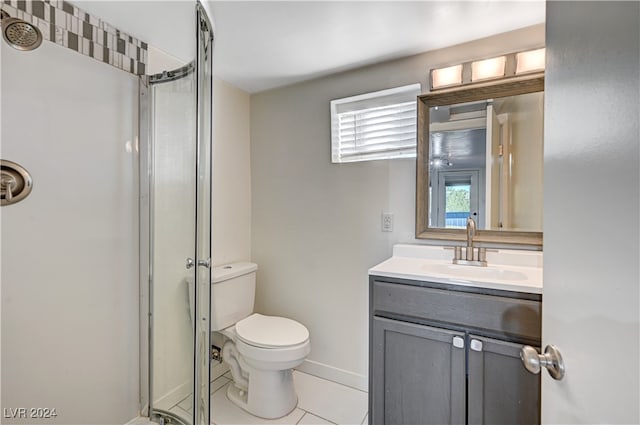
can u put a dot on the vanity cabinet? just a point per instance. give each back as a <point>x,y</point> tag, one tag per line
<point>501,391</point>
<point>450,354</point>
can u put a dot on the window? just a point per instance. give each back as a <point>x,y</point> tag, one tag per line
<point>456,196</point>
<point>378,125</point>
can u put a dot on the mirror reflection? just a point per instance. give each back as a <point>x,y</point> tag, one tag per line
<point>480,155</point>
<point>485,161</point>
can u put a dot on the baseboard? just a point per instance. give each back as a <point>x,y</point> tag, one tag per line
<point>330,373</point>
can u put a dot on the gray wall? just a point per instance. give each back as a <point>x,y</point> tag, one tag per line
<point>316,225</point>
<point>591,217</point>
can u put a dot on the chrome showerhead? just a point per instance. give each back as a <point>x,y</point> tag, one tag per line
<point>20,34</point>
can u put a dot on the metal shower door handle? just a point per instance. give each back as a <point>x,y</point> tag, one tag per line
<point>202,263</point>
<point>551,360</point>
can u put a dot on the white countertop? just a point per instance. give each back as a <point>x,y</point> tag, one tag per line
<point>507,270</point>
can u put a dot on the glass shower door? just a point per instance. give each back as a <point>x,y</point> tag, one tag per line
<point>176,113</point>
<point>204,116</point>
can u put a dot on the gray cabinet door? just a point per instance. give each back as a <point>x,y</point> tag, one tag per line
<point>501,391</point>
<point>418,375</point>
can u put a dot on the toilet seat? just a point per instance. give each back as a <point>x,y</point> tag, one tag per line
<point>271,331</point>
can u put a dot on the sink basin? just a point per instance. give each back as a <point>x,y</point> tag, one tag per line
<point>508,270</point>
<point>474,273</point>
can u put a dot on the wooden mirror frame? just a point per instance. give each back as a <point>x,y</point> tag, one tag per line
<point>469,93</point>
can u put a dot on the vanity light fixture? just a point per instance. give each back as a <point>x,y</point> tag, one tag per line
<point>488,68</point>
<point>505,66</point>
<point>449,76</point>
<point>532,60</point>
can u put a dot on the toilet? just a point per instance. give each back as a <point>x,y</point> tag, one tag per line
<point>260,350</point>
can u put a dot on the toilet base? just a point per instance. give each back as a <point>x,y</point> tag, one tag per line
<point>271,394</point>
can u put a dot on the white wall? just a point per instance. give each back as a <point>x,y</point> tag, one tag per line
<point>591,306</point>
<point>316,225</point>
<point>231,217</point>
<point>70,250</point>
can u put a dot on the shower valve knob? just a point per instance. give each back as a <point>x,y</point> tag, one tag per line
<point>6,185</point>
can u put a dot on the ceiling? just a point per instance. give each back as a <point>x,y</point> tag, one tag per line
<point>460,148</point>
<point>266,44</point>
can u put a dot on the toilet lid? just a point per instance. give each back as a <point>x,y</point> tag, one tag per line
<point>271,331</point>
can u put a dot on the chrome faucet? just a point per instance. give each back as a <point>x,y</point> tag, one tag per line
<point>471,232</point>
<point>473,256</point>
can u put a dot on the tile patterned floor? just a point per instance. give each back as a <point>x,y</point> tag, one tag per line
<point>320,402</point>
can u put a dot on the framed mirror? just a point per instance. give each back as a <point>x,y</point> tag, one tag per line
<point>480,154</point>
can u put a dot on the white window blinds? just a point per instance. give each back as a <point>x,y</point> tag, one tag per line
<point>378,125</point>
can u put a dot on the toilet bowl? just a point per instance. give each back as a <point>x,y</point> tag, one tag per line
<point>260,350</point>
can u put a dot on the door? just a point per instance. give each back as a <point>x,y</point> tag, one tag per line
<point>501,391</point>
<point>204,116</point>
<point>176,112</point>
<point>418,374</point>
<point>172,243</point>
<point>591,214</point>
<point>459,197</point>
<point>492,167</point>
<point>504,188</point>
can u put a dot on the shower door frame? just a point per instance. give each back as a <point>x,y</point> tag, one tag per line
<point>145,146</point>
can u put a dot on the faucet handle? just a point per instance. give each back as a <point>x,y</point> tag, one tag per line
<point>457,253</point>
<point>482,254</point>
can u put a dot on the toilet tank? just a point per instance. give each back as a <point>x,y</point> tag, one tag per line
<point>233,289</point>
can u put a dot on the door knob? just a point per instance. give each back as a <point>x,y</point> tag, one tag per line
<point>551,359</point>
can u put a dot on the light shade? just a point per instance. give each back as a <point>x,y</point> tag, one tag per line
<point>449,76</point>
<point>488,68</point>
<point>530,61</point>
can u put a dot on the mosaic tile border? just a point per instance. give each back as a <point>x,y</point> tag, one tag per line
<point>67,25</point>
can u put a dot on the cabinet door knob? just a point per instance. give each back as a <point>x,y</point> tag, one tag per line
<point>551,360</point>
<point>476,345</point>
<point>458,342</point>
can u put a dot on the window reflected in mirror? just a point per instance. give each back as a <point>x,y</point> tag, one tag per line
<point>486,162</point>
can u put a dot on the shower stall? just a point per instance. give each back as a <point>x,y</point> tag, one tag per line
<point>175,119</point>
<point>105,221</point>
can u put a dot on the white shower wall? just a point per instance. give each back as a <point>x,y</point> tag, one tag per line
<point>70,250</point>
